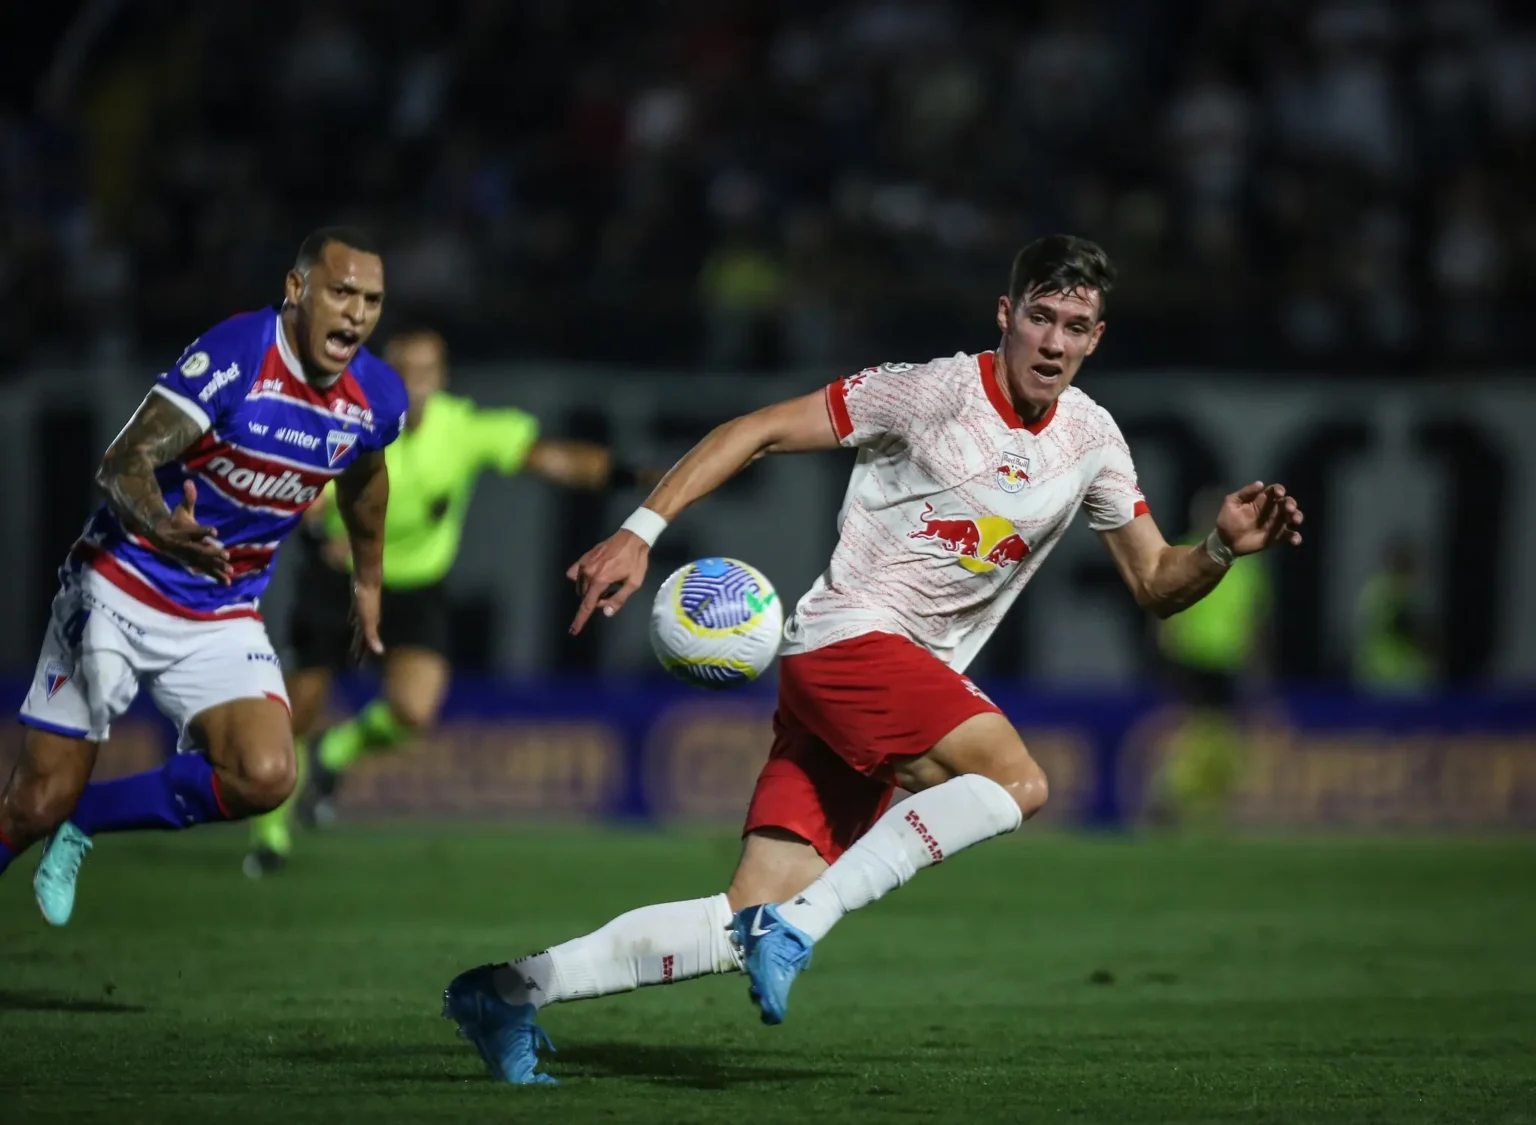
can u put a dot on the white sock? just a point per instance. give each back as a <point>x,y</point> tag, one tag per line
<point>659,944</point>
<point>923,830</point>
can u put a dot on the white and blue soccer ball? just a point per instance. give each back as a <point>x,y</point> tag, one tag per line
<point>716,623</point>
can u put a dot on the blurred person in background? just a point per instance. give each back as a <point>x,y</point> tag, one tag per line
<point>1395,643</point>
<point>446,444</point>
<point>1209,648</point>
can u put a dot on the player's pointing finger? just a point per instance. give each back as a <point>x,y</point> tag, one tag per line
<point>588,603</point>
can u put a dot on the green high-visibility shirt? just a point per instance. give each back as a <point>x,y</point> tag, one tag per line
<point>1220,631</point>
<point>432,474</point>
<point>1390,654</point>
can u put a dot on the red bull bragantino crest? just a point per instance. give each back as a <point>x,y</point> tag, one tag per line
<point>1013,472</point>
<point>979,543</point>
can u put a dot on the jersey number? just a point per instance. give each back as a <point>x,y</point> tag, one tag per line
<point>74,628</point>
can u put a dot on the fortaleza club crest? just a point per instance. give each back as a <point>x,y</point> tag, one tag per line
<point>979,543</point>
<point>1013,472</point>
<point>55,675</point>
<point>337,445</point>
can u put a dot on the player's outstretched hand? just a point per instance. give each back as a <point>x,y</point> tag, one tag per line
<point>607,574</point>
<point>1259,516</point>
<point>183,538</point>
<point>367,599</point>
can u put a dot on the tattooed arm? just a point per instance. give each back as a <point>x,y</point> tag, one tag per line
<point>362,497</point>
<point>157,434</point>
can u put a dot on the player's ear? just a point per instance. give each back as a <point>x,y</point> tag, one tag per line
<point>294,285</point>
<point>1004,313</point>
<point>1093,340</point>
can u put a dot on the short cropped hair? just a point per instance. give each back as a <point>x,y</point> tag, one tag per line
<point>1061,263</point>
<point>316,241</point>
<point>413,332</point>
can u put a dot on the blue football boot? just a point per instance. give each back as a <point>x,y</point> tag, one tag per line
<point>504,1034</point>
<point>774,954</point>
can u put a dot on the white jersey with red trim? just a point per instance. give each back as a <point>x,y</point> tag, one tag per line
<point>954,503</point>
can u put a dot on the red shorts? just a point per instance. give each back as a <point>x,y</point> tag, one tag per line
<point>846,714</point>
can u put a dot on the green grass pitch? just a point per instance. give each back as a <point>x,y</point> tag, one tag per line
<point>1042,978</point>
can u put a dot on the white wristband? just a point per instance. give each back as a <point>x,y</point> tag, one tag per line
<point>1220,553</point>
<point>648,525</point>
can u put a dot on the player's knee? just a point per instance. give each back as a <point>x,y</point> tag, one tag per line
<point>1029,788</point>
<point>267,778</point>
<point>415,715</point>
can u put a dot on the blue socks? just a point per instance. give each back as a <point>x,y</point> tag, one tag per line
<point>179,794</point>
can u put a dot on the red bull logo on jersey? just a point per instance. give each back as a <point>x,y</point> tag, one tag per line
<point>1013,472</point>
<point>980,543</point>
<point>287,486</point>
<point>338,443</point>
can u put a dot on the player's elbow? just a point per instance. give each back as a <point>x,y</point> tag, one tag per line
<point>106,473</point>
<point>1148,598</point>
<point>752,435</point>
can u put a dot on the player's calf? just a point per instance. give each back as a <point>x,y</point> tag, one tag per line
<point>775,863</point>
<point>43,787</point>
<point>977,783</point>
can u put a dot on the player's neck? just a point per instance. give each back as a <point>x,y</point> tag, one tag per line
<point>1028,414</point>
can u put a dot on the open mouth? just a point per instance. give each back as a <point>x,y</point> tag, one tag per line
<point>341,345</point>
<point>1046,372</point>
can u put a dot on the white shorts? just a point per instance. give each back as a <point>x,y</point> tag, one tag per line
<point>103,643</point>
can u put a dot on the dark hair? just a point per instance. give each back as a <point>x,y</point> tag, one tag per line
<point>1061,263</point>
<point>415,330</point>
<point>316,241</point>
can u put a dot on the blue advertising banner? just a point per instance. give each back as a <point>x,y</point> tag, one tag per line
<point>656,750</point>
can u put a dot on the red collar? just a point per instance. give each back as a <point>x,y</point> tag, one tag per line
<point>987,362</point>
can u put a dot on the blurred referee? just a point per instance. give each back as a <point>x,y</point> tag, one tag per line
<point>446,444</point>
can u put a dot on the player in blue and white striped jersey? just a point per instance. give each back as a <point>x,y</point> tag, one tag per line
<point>163,588</point>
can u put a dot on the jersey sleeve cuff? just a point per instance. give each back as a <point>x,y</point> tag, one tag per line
<point>1117,520</point>
<point>186,406</point>
<point>837,410</point>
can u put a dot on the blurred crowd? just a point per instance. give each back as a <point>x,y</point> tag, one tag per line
<point>1336,185</point>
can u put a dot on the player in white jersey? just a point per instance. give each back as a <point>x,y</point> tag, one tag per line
<point>969,470</point>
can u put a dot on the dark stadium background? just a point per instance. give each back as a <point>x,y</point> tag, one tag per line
<point>638,218</point>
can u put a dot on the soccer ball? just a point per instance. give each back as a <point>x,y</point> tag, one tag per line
<point>716,623</point>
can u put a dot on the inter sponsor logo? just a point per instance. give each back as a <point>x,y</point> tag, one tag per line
<point>301,438</point>
<point>287,486</point>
